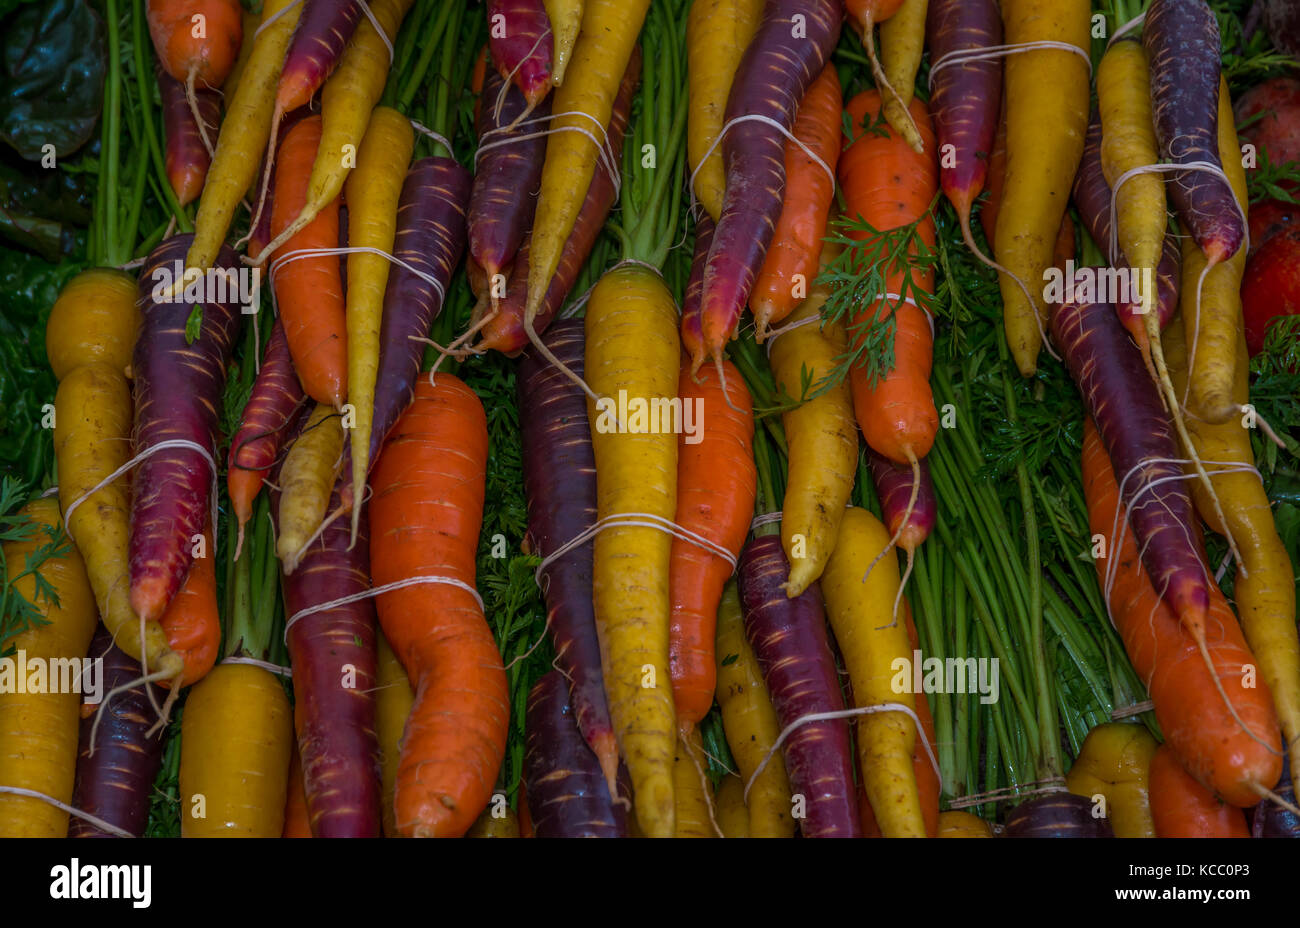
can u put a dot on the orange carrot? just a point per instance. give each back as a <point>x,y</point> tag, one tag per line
<point>1183,808</point>
<point>196,40</point>
<point>716,485</point>
<point>425,517</point>
<point>309,291</point>
<point>790,265</point>
<point>1234,757</point>
<point>191,621</point>
<point>297,824</point>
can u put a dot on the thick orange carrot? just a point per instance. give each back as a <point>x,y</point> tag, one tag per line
<point>196,40</point>
<point>309,291</point>
<point>191,621</point>
<point>425,517</point>
<point>790,264</point>
<point>716,484</point>
<point>1183,808</point>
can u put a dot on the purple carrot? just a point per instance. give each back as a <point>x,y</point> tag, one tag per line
<point>431,239</point>
<point>506,176</point>
<point>523,47</point>
<point>1272,820</point>
<point>334,675</point>
<point>505,331</point>
<point>965,98</point>
<point>793,651</point>
<point>1060,815</point>
<point>783,59</point>
<point>1182,44</point>
<point>692,333</point>
<point>560,485</point>
<point>568,794</point>
<point>188,156</point>
<point>180,366</point>
<point>276,399</point>
<point>1092,198</point>
<point>893,483</point>
<point>115,783</point>
<point>1139,437</point>
<point>317,45</point>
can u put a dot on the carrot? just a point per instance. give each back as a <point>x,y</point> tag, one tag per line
<point>1264,587</point>
<point>729,800</point>
<point>373,192</point>
<point>888,185</point>
<point>791,260</point>
<point>633,350</point>
<point>570,796</point>
<point>692,323</point>
<point>907,520</point>
<point>244,134</point>
<point>296,821</point>
<point>820,436</point>
<point>789,639</point>
<point>1232,749</point>
<point>1183,808</point>
<point>566,18</point>
<point>560,487</point>
<point>115,775</point>
<point>864,15</point>
<point>188,136</point>
<point>600,59</point>
<point>750,724</point>
<point>1056,815</point>
<point>691,790</point>
<point>306,479</point>
<point>236,736</point>
<point>197,40</point>
<point>902,41</point>
<point>251,22</point>
<point>781,63</point>
<point>191,622</point>
<point>963,825</point>
<point>1212,325</point>
<point>309,290</point>
<point>1042,156</point>
<point>1112,763</point>
<point>965,101</point>
<point>179,379</point>
<point>333,656</point>
<point>716,486</point>
<point>1189,96</point>
<point>38,730</point>
<point>275,402</point>
<point>323,29</point>
<point>393,700</point>
<point>523,46</point>
<point>717,34</point>
<point>492,825</point>
<point>864,618</point>
<point>504,332</point>
<point>347,104</point>
<point>425,516</point>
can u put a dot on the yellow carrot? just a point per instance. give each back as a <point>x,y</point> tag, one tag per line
<point>306,481</point>
<point>1113,763</point>
<point>902,40</point>
<point>372,192</point>
<point>393,703</point>
<point>38,730</point>
<point>729,800</point>
<point>566,20</point>
<point>691,791</point>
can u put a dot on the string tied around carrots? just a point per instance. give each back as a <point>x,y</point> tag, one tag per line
<point>95,820</point>
<point>377,591</point>
<point>1032,788</point>
<point>989,52</point>
<point>605,154</point>
<point>254,662</point>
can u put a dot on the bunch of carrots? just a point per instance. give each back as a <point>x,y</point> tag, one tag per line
<point>363,333</point>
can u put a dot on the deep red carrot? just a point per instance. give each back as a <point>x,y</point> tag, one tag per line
<point>277,398</point>
<point>115,782</point>
<point>1182,45</point>
<point>180,373</point>
<point>334,675</point>
<point>1269,819</point>
<point>783,59</point>
<point>505,331</point>
<point>323,29</point>
<point>893,484</point>
<point>569,796</point>
<point>692,324</point>
<point>560,485</point>
<point>793,651</point>
<point>965,97</point>
<point>506,175</point>
<point>1058,815</point>
<point>187,157</point>
<point>523,46</point>
<point>431,238</point>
